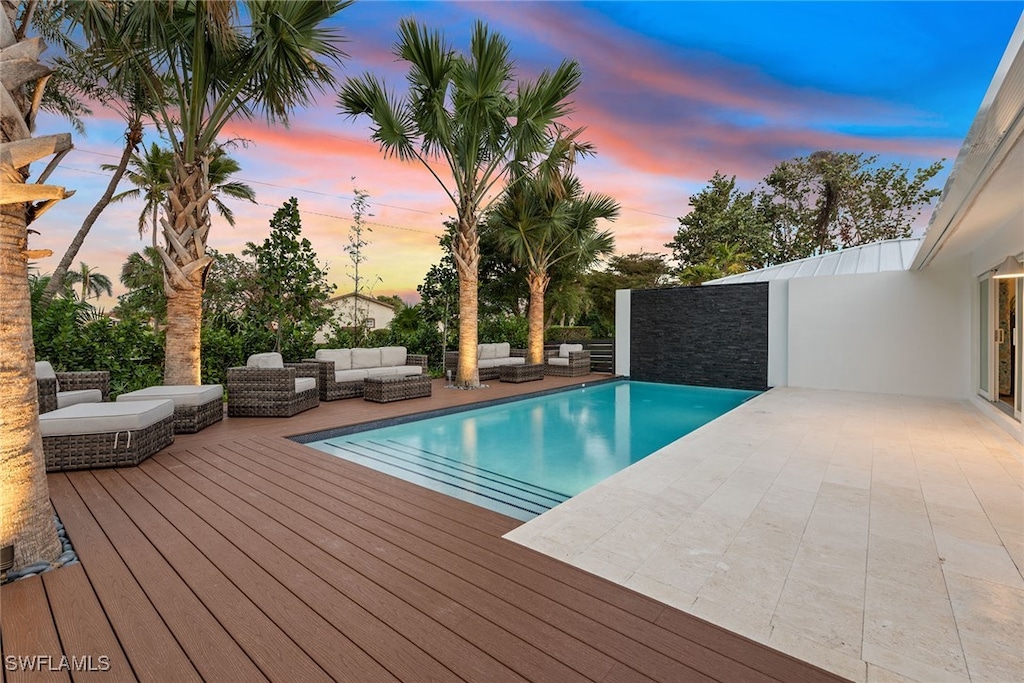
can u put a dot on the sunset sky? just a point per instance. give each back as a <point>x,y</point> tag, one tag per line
<point>672,92</point>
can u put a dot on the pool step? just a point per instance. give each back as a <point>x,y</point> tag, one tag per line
<point>487,488</point>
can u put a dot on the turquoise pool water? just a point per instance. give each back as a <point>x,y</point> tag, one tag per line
<point>523,458</point>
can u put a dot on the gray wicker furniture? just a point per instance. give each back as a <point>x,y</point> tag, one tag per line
<point>89,435</point>
<point>387,389</point>
<point>521,373</point>
<point>62,389</point>
<point>342,371</point>
<point>195,407</point>
<point>267,387</point>
<point>570,360</point>
<point>489,358</point>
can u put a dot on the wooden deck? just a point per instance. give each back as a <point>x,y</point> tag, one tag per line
<point>238,555</point>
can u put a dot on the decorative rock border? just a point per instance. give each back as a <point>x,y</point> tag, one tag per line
<point>68,557</point>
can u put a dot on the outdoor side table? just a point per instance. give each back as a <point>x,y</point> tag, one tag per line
<point>521,373</point>
<point>387,389</point>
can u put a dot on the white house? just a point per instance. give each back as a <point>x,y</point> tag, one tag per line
<point>352,309</point>
<point>925,316</point>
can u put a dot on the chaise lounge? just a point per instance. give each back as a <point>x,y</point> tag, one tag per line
<point>269,387</point>
<point>343,371</point>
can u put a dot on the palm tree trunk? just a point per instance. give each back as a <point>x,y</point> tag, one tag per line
<point>185,266</point>
<point>538,285</point>
<point>132,139</point>
<point>26,520</point>
<point>467,263</point>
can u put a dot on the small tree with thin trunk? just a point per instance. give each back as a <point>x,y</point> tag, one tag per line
<point>356,244</point>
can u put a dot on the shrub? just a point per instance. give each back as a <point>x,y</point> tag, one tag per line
<point>567,334</point>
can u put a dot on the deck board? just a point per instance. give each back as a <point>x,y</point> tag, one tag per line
<point>235,554</point>
<point>30,632</point>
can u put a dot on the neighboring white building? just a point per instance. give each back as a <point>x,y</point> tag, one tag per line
<point>350,308</point>
<point>923,316</point>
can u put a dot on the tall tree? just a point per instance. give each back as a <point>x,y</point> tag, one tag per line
<point>92,283</point>
<point>639,270</point>
<point>466,123</point>
<point>26,519</point>
<point>220,63</point>
<point>543,225</point>
<point>292,285</point>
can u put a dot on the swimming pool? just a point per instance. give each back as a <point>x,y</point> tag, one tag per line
<point>524,457</point>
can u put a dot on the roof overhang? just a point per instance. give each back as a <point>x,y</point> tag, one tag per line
<point>985,189</point>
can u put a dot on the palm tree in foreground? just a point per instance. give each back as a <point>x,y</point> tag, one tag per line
<point>26,518</point>
<point>472,128</point>
<point>541,227</point>
<point>222,60</point>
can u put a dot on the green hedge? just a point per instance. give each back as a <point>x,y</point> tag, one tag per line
<point>567,334</point>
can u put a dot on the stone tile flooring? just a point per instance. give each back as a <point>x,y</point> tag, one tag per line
<point>880,537</point>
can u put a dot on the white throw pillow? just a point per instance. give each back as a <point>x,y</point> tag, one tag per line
<point>265,360</point>
<point>342,357</point>
<point>565,349</point>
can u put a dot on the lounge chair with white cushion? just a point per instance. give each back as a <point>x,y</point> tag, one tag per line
<point>269,387</point>
<point>62,389</point>
<point>570,360</point>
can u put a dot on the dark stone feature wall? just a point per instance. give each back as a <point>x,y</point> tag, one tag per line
<point>714,336</point>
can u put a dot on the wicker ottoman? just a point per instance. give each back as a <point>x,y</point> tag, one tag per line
<point>521,373</point>
<point>91,435</point>
<point>195,407</point>
<point>387,389</point>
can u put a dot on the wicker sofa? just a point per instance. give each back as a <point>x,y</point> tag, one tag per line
<point>489,358</point>
<point>569,360</point>
<point>268,387</point>
<point>62,389</point>
<point>342,371</point>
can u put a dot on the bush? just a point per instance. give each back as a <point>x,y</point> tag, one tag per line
<point>567,334</point>
<point>514,329</point>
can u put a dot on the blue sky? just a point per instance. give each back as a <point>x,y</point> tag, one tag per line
<point>672,92</point>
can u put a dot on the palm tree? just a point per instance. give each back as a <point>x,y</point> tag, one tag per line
<point>464,117</point>
<point>93,284</point>
<point>26,519</point>
<point>222,62</point>
<point>542,226</point>
<point>150,172</point>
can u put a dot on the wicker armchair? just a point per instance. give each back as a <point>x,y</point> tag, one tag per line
<point>266,387</point>
<point>571,362</point>
<point>58,389</point>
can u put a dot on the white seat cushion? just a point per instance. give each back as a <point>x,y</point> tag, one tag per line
<point>350,375</point>
<point>183,396</point>
<point>565,349</point>
<point>100,418</point>
<point>265,360</point>
<point>365,358</point>
<point>342,357</point>
<point>512,360</point>
<point>406,370</point>
<point>558,360</point>
<point>488,362</point>
<point>389,371</point>
<point>304,384</point>
<point>502,350</point>
<point>392,356</point>
<point>73,398</point>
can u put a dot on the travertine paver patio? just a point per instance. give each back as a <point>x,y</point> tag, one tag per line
<point>878,536</point>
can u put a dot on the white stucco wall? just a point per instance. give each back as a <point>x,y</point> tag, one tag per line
<point>778,333</point>
<point>894,332</point>
<point>623,312</point>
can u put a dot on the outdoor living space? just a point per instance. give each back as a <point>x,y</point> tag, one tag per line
<point>878,536</point>
<point>239,554</point>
